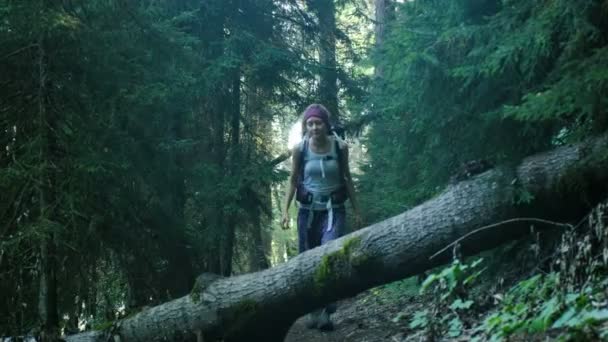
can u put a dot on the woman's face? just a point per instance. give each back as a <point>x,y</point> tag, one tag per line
<point>315,127</point>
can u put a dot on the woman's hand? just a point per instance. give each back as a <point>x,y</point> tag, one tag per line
<point>285,221</point>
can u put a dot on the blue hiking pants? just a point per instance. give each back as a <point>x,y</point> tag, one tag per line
<point>319,231</point>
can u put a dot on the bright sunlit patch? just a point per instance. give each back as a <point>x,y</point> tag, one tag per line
<point>295,135</point>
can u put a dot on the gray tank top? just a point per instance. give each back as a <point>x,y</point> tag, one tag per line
<point>321,174</point>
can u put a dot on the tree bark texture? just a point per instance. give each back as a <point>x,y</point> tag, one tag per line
<point>384,13</point>
<point>229,235</point>
<point>380,13</point>
<point>47,291</point>
<point>259,122</point>
<point>379,31</point>
<point>262,305</point>
<point>325,10</point>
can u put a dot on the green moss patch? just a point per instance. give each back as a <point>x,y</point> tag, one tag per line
<point>195,294</point>
<point>336,263</point>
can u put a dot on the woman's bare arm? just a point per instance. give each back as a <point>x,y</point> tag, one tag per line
<point>291,185</point>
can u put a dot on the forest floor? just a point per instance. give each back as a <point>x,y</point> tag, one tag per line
<point>384,314</point>
<point>368,317</point>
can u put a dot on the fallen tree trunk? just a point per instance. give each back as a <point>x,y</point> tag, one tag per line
<point>261,306</point>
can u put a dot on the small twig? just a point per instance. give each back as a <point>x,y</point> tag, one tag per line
<point>525,219</point>
<point>557,251</point>
<point>583,220</point>
<point>282,157</point>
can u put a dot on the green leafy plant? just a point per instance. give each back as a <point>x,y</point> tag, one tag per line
<point>453,279</point>
<point>536,305</point>
<point>420,319</point>
<point>571,300</point>
<point>451,285</point>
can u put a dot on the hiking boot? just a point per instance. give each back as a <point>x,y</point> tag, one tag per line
<point>324,322</point>
<point>313,319</point>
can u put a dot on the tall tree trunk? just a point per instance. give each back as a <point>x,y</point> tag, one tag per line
<point>325,10</point>
<point>47,293</point>
<point>234,171</point>
<point>379,31</point>
<point>260,241</point>
<point>215,243</point>
<point>260,125</point>
<point>211,32</point>
<point>384,14</point>
<point>261,306</point>
<point>91,294</point>
<point>138,291</point>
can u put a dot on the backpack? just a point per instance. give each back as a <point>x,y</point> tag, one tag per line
<point>303,196</point>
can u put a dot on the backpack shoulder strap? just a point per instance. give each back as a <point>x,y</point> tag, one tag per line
<point>340,157</point>
<point>303,157</point>
<point>303,145</point>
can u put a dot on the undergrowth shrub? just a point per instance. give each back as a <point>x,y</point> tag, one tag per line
<point>565,299</point>
<point>567,303</point>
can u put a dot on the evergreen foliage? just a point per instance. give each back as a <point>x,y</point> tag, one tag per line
<point>136,146</point>
<point>490,79</point>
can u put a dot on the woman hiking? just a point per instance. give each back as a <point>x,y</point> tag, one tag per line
<point>321,181</point>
